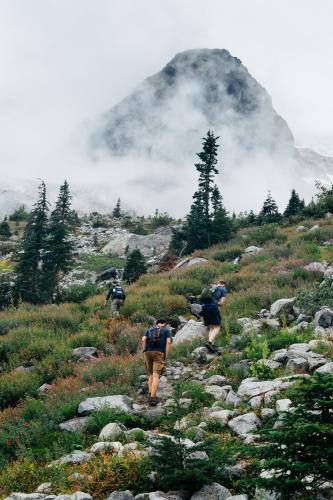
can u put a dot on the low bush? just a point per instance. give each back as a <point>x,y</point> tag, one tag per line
<point>312,299</point>
<point>228,253</point>
<point>262,234</point>
<point>15,385</point>
<point>186,286</point>
<point>78,293</point>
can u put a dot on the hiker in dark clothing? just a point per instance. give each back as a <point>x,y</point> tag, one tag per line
<point>211,314</point>
<point>117,295</point>
<point>156,344</point>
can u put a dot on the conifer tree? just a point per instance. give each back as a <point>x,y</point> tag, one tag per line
<point>5,229</point>
<point>135,266</point>
<point>295,205</point>
<point>269,212</point>
<point>252,218</point>
<point>117,210</point>
<point>29,268</point>
<point>300,448</point>
<point>59,247</point>
<point>221,227</point>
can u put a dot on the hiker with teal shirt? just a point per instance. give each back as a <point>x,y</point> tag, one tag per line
<point>156,343</point>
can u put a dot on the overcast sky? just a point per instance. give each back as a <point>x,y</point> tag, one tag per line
<point>64,61</point>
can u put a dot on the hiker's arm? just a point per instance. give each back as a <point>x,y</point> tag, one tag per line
<point>108,295</point>
<point>222,301</point>
<point>167,347</point>
<point>144,342</point>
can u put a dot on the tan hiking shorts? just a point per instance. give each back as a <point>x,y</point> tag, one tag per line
<point>154,362</point>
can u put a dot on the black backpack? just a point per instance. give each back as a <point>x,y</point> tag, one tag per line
<point>154,337</point>
<point>207,295</point>
<point>118,293</point>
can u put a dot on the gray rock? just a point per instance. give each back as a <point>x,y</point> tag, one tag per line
<point>120,495</point>
<point>196,310</point>
<point>250,389</point>
<point>44,488</point>
<point>238,497</point>
<point>43,389</point>
<point>111,432</point>
<point>329,272</point>
<point>190,261</point>
<point>314,228</point>
<point>74,425</point>
<point>299,327</point>
<point>282,306</point>
<point>251,250</point>
<point>159,495</point>
<point>316,267</point>
<point>80,495</point>
<point>297,365</point>
<point>213,491</point>
<point>300,347</point>
<point>217,391</point>
<point>267,412</point>
<point>327,368</point>
<point>223,416</point>
<point>243,424</point>
<point>270,363</point>
<point>25,496</point>
<point>107,446</point>
<point>316,362</point>
<point>233,399</point>
<point>314,343</point>
<point>76,457</point>
<point>323,318</point>
<point>283,405</point>
<point>303,318</point>
<point>215,380</point>
<point>201,355</point>
<point>84,351</point>
<point>107,275</point>
<point>256,402</point>
<point>193,330</point>
<point>149,245</point>
<point>301,229</point>
<point>97,403</point>
<point>279,356</point>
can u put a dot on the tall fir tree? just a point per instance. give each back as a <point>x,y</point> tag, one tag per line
<point>208,221</point>
<point>5,229</point>
<point>135,266</point>
<point>29,268</point>
<point>295,205</point>
<point>269,212</point>
<point>117,210</point>
<point>59,247</point>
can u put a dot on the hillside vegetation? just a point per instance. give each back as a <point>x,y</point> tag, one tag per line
<point>36,348</point>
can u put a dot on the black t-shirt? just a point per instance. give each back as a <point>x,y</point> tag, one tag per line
<point>161,346</point>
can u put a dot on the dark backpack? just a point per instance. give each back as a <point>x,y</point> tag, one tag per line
<point>207,295</point>
<point>154,337</point>
<point>118,293</point>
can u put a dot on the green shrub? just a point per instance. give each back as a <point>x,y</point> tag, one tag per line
<point>262,234</point>
<point>14,386</point>
<point>99,419</point>
<point>312,299</point>
<point>261,371</point>
<point>300,448</point>
<point>228,253</point>
<point>195,392</point>
<point>95,339</point>
<point>78,293</point>
<point>186,286</point>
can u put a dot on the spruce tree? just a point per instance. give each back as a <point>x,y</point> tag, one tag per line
<point>300,449</point>
<point>269,212</point>
<point>59,247</point>
<point>29,268</point>
<point>251,218</point>
<point>135,266</point>
<point>117,211</point>
<point>295,205</point>
<point>221,227</point>
<point>5,229</point>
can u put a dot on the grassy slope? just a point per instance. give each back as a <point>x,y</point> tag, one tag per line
<point>44,336</point>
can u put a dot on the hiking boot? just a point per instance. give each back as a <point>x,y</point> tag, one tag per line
<point>211,348</point>
<point>152,401</point>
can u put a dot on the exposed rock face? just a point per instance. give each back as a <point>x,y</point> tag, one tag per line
<point>97,403</point>
<point>190,261</point>
<point>282,306</point>
<point>215,490</point>
<point>151,244</point>
<point>191,331</point>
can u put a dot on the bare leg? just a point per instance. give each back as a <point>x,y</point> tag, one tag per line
<point>150,381</point>
<point>155,384</point>
<point>213,333</point>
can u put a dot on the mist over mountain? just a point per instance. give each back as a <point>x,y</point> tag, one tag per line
<point>167,114</point>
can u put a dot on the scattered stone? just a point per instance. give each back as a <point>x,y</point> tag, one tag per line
<point>316,267</point>
<point>111,432</point>
<point>314,228</point>
<point>213,491</point>
<point>323,318</point>
<point>107,446</point>
<point>301,229</point>
<point>283,405</point>
<point>74,425</point>
<point>251,250</point>
<point>76,457</point>
<point>256,402</point>
<point>327,368</point>
<point>191,331</point>
<point>78,352</point>
<point>43,389</point>
<point>233,399</point>
<point>270,363</point>
<point>215,380</point>
<point>267,412</point>
<point>283,306</point>
<point>190,261</point>
<point>217,391</point>
<point>238,497</point>
<point>314,343</point>
<point>243,424</point>
<point>149,245</point>
<point>249,389</point>
<point>44,488</point>
<point>196,310</point>
<point>299,327</point>
<point>97,403</point>
<point>201,355</point>
<point>120,495</point>
<point>223,416</point>
<point>297,365</point>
